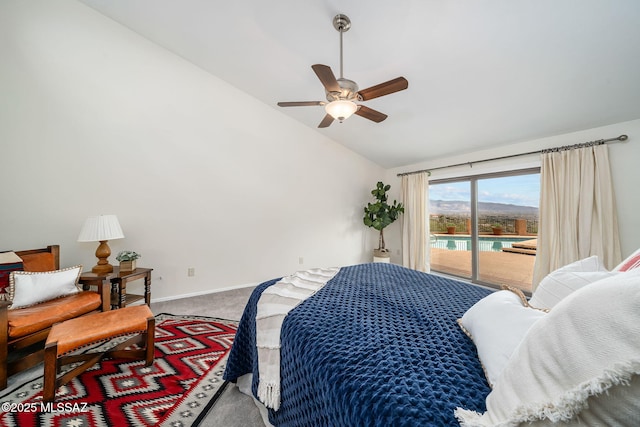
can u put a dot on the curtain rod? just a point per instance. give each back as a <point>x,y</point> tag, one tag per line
<point>566,147</point>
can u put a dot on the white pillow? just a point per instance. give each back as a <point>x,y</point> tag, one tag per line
<point>579,364</point>
<point>496,324</point>
<point>29,288</point>
<point>565,280</point>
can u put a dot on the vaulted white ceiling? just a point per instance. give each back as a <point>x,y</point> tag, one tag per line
<point>481,73</point>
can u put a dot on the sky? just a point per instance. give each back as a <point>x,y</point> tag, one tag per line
<point>523,190</point>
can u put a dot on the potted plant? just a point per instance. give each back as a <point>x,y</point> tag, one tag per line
<point>127,260</point>
<point>451,228</point>
<point>380,214</point>
<point>496,229</point>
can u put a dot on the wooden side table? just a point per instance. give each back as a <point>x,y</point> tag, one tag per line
<point>118,280</point>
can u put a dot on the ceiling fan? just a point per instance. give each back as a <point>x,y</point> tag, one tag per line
<point>342,93</point>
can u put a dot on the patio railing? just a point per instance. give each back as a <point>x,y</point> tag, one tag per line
<point>486,224</point>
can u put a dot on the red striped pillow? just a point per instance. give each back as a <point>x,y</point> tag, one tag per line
<point>9,262</point>
<point>630,263</point>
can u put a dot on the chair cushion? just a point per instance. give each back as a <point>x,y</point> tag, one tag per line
<point>25,321</point>
<point>97,327</point>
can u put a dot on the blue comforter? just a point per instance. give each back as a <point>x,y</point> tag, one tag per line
<point>378,345</point>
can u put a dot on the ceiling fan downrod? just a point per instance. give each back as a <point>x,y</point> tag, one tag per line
<point>342,23</point>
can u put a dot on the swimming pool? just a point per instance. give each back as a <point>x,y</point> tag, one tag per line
<point>485,243</point>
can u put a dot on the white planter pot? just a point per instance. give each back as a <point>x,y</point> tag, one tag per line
<point>379,256</point>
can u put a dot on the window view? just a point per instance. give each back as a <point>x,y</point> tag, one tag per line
<point>485,228</point>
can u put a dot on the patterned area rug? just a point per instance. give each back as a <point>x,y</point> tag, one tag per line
<point>177,390</point>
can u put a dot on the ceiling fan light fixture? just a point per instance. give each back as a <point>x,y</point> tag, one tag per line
<point>341,109</point>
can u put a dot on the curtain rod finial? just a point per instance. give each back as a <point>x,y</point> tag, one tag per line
<point>623,137</point>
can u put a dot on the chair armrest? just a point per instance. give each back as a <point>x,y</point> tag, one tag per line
<point>103,286</point>
<point>104,289</point>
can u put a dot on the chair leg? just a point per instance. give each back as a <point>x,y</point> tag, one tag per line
<point>149,337</point>
<point>51,369</point>
<point>4,345</point>
<point>3,375</point>
<point>4,364</point>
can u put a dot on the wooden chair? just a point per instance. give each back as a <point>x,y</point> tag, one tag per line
<point>23,331</point>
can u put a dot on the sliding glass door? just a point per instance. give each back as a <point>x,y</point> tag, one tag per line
<point>496,224</point>
<point>450,227</point>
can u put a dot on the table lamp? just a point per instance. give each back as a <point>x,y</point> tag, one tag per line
<point>100,229</point>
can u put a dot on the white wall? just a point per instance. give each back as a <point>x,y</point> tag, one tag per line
<point>624,159</point>
<point>94,119</point>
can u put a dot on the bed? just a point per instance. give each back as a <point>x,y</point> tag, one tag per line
<point>378,345</point>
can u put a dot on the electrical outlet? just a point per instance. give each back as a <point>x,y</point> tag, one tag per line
<point>191,271</point>
<point>301,260</point>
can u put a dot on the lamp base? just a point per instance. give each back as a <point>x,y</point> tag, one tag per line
<point>102,253</point>
<point>102,270</point>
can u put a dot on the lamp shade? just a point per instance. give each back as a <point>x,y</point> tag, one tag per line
<point>341,109</point>
<point>99,228</point>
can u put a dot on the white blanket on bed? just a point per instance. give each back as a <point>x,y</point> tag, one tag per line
<point>275,303</point>
<point>577,366</point>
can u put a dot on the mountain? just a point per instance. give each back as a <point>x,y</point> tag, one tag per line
<point>461,207</point>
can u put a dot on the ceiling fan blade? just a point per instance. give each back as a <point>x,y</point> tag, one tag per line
<point>327,77</point>
<point>300,104</point>
<point>385,88</point>
<point>326,122</point>
<point>371,114</point>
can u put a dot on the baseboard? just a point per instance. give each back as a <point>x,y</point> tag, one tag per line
<point>196,294</point>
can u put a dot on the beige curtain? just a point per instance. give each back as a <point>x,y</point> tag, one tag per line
<point>578,216</point>
<point>415,221</point>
